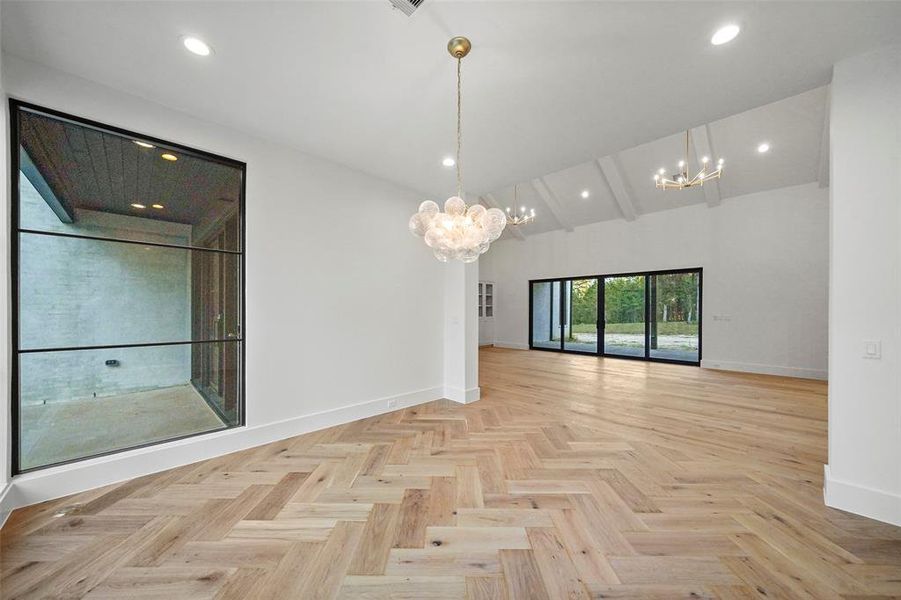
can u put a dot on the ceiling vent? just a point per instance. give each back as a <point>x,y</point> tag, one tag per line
<point>407,6</point>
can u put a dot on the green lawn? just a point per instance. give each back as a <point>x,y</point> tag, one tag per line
<point>669,328</point>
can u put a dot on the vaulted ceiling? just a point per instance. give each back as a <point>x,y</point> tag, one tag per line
<point>549,86</point>
<point>621,185</point>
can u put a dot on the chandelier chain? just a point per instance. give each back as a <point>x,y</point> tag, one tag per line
<point>460,232</point>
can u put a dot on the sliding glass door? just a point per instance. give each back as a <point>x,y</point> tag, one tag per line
<point>581,311</point>
<point>624,315</point>
<point>654,315</point>
<point>546,317</point>
<point>675,317</point>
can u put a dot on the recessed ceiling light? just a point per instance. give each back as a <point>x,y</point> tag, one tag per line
<point>448,162</point>
<point>725,34</point>
<point>196,46</point>
<point>143,144</point>
<point>585,193</point>
<point>764,147</point>
<point>158,206</point>
<point>168,156</point>
<point>136,205</point>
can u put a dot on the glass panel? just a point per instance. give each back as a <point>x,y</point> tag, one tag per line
<point>624,315</point>
<point>481,298</point>
<point>546,314</point>
<point>81,180</point>
<point>555,315</point>
<point>674,322</point>
<point>81,403</point>
<point>77,292</point>
<point>582,314</point>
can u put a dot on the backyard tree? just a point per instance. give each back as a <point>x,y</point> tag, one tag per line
<point>585,301</point>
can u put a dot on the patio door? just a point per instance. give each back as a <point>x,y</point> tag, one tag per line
<point>674,316</point>
<point>546,322</point>
<point>580,315</point>
<point>649,315</point>
<point>624,315</point>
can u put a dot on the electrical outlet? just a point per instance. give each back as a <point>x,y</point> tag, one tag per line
<point>872,349</point>
<point>392,403</point>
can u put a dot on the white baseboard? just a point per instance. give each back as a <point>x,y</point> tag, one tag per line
<point>56,482</point>
<point>4,511</point>
<point>802,372</point>
<point>860,500</point>
<point>462,396</point>
<point>511,345</point>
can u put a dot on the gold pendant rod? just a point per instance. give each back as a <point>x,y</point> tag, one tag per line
<point>459,129</point>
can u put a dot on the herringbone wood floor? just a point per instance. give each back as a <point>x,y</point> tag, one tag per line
<point>573,477</point>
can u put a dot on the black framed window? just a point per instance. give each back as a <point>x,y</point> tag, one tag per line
<point>128,299</point>
<point>652,315</point>
<point>580,315</point>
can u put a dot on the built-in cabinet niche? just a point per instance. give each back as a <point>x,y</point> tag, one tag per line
<point>486,312</point>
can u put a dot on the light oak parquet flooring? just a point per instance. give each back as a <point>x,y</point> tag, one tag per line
<point>574,477</point>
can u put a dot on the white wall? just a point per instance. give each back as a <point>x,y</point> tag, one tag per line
<point>461,332</point>
<point>765,274</point>
<point>344,306</point>
<point>864,471</point>
<point>4,298</point>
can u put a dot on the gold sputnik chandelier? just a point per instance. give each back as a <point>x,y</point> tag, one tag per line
<point>522,217</point>
<point>461,232</point>
<point>682,179</point>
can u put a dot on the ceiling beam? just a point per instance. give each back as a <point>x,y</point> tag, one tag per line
<point>552,202</point>
<point>700,137</point>
<point>823,165</point>
<point>492,203</point>
<point>611,172</point>
<point>61,208</point>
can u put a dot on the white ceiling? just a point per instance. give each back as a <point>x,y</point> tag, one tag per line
<point>794,129</point>
<point>548,84</point>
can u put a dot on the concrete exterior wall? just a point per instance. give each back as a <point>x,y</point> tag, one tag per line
<point>76,293</point>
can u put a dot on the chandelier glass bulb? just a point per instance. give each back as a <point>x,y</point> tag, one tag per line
<point>683,179</point>
<point>460,232</point>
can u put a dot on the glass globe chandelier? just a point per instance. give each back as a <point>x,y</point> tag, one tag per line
<point>681,180</point>
<point>521,217</point>
<point>461,232</point>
